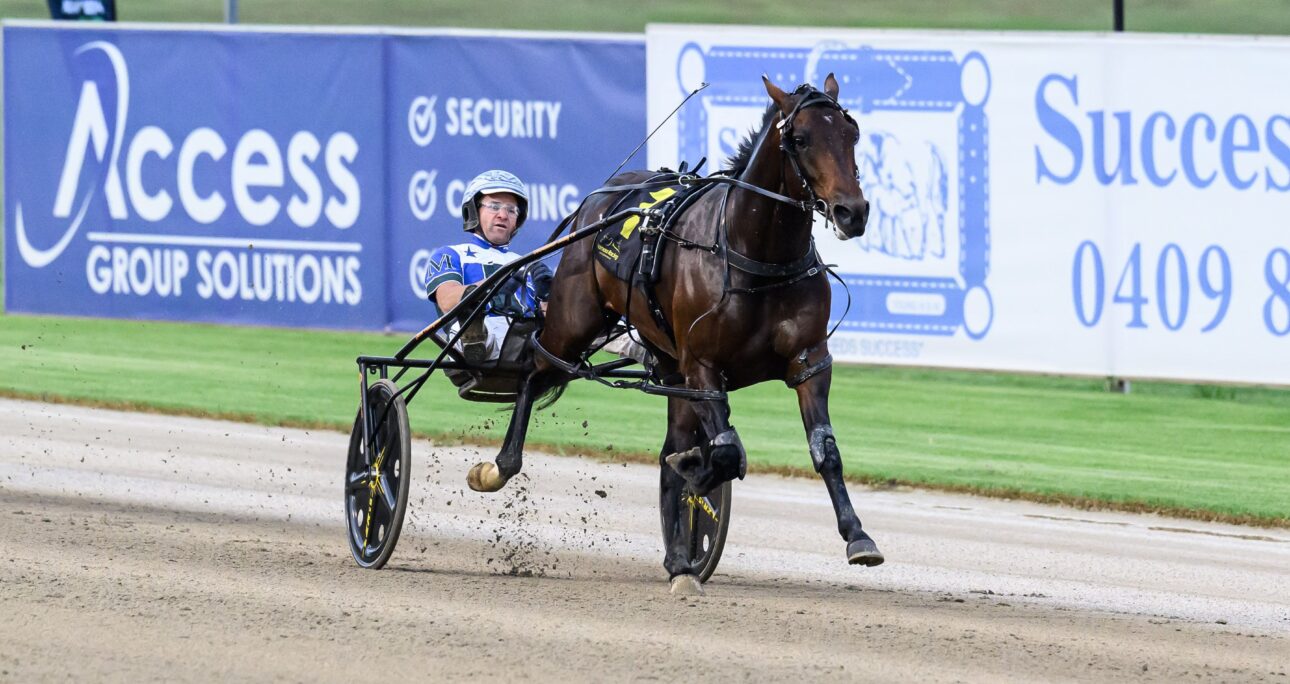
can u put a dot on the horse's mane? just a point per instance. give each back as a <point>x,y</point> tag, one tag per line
<point>743,155</point>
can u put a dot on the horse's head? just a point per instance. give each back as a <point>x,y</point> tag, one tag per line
<point>818,138</point>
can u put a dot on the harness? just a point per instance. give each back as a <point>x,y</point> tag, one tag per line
<point>659,221</point>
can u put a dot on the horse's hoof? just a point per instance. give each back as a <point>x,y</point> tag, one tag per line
<point>685,461</point>
<point>864,552</point>
<point>686,585</point>
<point>485,477</point>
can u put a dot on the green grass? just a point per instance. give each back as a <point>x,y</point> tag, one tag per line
<point>1182,449</point>
<point>1193,16</point>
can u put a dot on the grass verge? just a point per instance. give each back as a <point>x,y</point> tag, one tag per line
<point>1195,16</point>
<point>1183,450</point>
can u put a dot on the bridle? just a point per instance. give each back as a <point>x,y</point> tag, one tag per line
<point>808,265</point>
<point>813,98</point>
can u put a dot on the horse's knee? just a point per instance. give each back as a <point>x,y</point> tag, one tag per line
<point>824,449</point>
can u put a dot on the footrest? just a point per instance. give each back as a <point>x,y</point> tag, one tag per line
<point>497,389</point>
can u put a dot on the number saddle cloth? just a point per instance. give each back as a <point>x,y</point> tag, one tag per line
<point>633,250</point>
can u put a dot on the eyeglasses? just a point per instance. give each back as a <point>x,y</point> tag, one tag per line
<point>498,208</point>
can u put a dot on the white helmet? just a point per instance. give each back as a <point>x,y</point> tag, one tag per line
<point>488,183</point>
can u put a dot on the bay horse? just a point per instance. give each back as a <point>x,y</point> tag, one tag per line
<point>751,304</point>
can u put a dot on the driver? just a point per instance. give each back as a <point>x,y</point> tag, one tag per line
<point>493,207</point>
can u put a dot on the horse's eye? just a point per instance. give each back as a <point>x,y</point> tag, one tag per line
<point>799,141</point>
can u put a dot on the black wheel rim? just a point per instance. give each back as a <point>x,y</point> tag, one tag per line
<point>707,518</point>
<point>376,488</point>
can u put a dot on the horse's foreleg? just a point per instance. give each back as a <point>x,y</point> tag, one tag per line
<point>813,399</point>
<point>682,435</point>
<point>490,477</point>
<point>721,457</point>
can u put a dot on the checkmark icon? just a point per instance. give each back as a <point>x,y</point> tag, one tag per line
<point>421,120</point>
<point>422,196</point>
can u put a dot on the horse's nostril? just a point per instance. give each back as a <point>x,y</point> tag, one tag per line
<point>864,213</point>
<point>841,214</point>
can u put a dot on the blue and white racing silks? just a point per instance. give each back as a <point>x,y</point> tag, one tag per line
<point>470,263</point>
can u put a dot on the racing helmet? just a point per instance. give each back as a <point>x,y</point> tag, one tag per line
<point>487,183</point>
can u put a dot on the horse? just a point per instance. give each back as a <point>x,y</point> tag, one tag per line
<point>747,302</point>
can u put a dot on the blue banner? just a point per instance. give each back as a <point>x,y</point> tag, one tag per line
<point>560,114</point>
<point>230,177</point>
<point>285,178</point>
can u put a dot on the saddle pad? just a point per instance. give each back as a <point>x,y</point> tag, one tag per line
<point>618,246</point>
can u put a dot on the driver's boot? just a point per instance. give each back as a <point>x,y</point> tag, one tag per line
<point>625,346</point>
<point>474,342</point>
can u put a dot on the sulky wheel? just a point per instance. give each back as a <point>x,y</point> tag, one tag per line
<point>705,520</point>
<point>376,488</point>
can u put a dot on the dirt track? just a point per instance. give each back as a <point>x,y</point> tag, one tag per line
<point>139,546</point>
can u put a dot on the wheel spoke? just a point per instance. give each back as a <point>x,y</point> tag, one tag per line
<point>355,530</point>
<point>706,504</point>
<point>367,519</point>
<point>356,482</point>
<point>387,493</point>
<point>703,504</point>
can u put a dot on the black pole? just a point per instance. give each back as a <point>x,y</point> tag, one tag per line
<point>1119,15</point>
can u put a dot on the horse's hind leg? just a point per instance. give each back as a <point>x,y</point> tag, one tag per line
<point>813,399</point>
<point>492,476</point>
<point>573,320</point>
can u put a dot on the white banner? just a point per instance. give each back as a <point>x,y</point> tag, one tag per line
<point>1079,204</point>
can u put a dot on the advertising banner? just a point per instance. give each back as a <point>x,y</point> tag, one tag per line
<point>231,177</point>
<point>289,179</point>
<point>558,113</point>
<point>1102,205</point>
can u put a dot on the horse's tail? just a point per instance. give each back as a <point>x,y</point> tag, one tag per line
<point>544,400</point>
<point>550,396</point>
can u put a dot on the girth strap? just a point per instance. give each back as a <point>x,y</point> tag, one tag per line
<point>808,273</point>
<point>770,270</point>
<point>808,266</point>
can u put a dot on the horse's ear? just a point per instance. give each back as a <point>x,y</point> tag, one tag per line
<point>831,86</point>
<point>780,97</point>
